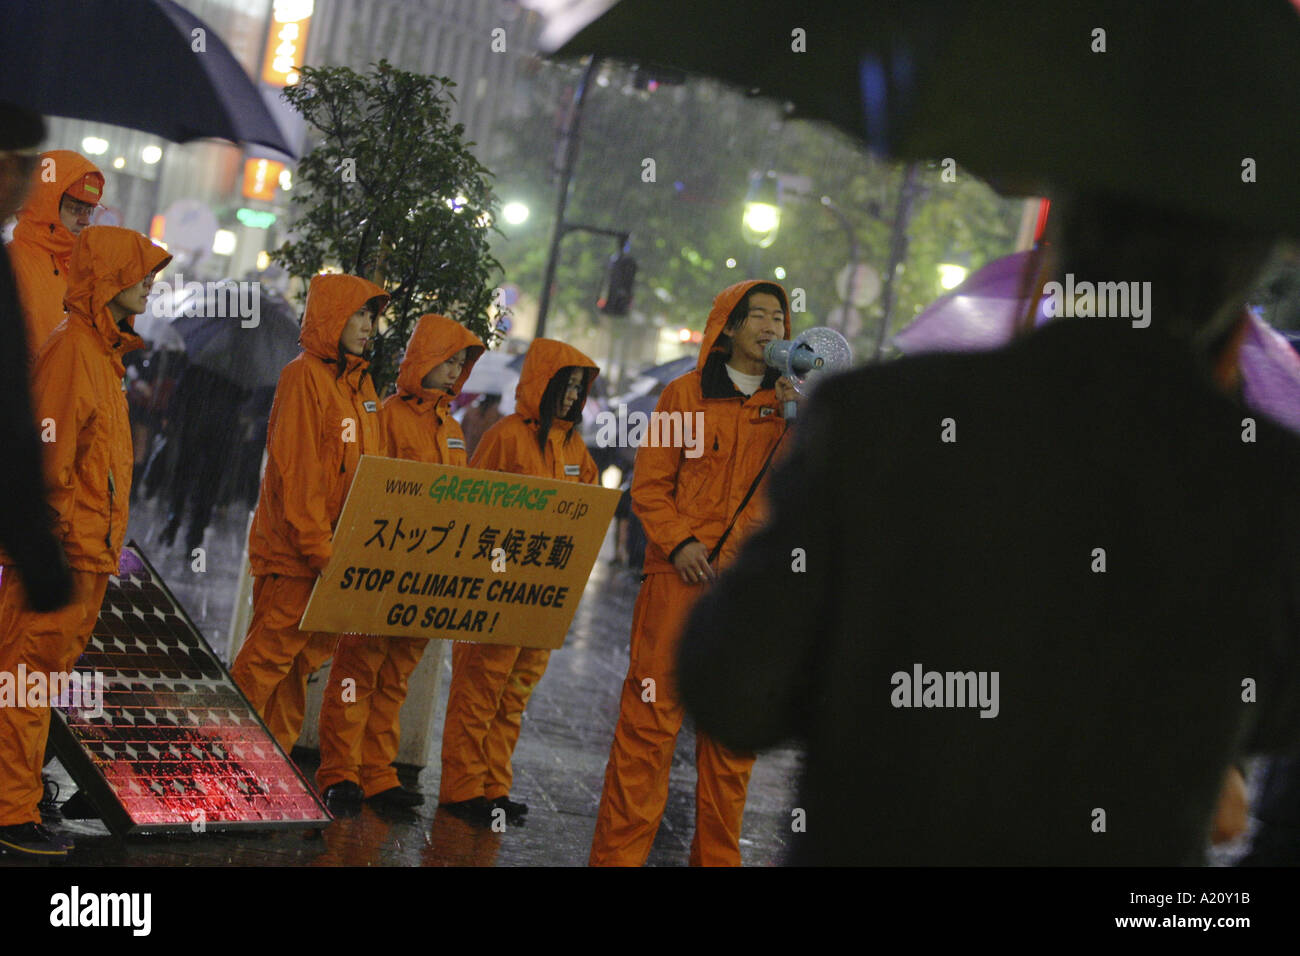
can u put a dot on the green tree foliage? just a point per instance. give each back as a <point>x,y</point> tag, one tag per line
<point>392,192</point>
<point>706,139</point>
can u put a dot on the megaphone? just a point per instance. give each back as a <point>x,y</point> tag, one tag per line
<point>810,357</point>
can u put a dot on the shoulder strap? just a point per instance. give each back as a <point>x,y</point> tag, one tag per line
<point>717,548</point>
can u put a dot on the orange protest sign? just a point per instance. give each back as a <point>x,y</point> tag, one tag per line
<point>425,550</point>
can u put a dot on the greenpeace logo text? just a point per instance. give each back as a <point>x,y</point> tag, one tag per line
<point>657,429</point>
<point>82,692</point>
<point>1113,300</point>
<point>221,300</point>
<point>923,688</point>
<point>74,908</point>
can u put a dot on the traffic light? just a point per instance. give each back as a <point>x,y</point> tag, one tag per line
<point>620,279</point>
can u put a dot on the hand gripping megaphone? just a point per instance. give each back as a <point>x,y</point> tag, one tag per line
<point>808,358</point>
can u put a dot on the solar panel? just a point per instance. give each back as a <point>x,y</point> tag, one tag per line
<point>177,747</point>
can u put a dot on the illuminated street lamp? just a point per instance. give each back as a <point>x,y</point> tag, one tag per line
<point>515,213</point>
<point>762,219</point>
<point>952,275</point>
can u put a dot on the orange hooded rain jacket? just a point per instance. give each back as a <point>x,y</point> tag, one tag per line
<point>321,424</point>
<point>679,498</point>
<point>41,250</point>
<point>82,413</point>
<point>511,444</point>
<point>77,384</point>
<point>417,419</point>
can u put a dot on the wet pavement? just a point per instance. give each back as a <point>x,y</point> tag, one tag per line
<point>559,763</point>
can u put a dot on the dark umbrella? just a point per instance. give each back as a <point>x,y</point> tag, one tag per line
<point>665,373</point>
<point>131,63</point>
<point>250,357</point>
<point>1019,91</point>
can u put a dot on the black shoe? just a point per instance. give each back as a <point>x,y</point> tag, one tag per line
<point>343,797</point>
<point>49,805</point>
<point>33,841</point>
<point>515,812</point>
<point>398,797</point>
<point>477,811</point>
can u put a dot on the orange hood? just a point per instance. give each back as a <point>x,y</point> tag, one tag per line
<point>106,260</point>
<point>436,339</point>
<point>723,303</point>
<point>331,301</point>
<point>38,220</point>
<point>544,360</point>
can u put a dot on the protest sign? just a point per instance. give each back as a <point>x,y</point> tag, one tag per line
<point>424,550</point>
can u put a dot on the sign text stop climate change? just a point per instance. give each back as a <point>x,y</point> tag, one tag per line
<point>425,550</point>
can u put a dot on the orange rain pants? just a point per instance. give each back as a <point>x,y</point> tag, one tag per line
<point>490,687</point>
<point>277,658</point>
<point>359,741</point>
<point>636,777</point>
<point>46,644</point>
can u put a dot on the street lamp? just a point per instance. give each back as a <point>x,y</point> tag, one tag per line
<point>762,219</point>
<point>952,275</point>
<point>515,213</point>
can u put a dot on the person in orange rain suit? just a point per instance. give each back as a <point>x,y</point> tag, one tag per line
<point>324,418</point>
<point>66,188</point>
<point>77,383</point>
<point>359,738</point>
<point>491,683</point>
<point>686,505</point>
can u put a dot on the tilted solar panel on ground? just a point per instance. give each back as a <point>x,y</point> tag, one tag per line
<point>177,748</point>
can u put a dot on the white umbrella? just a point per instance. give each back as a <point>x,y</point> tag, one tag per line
<point>493,376</point>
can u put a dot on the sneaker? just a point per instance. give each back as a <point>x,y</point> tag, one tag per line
<point>34,841</point>
<point>49,805</point>
<point>477,811</point>
<point>343,796</point>
<point>396,797</point>
<point>515,812</point>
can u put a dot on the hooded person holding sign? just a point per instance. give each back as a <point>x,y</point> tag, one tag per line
<point>696,512</point>
<point>491,683</point>
<point>359,732</point>
<point>324,418</point>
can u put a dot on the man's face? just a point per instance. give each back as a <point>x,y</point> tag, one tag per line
<point>572,390</point>
<point>75,214</point>
<point>135,299</point>
<point>356,334</point>
<point>764,321</point>
<point>444,376</point>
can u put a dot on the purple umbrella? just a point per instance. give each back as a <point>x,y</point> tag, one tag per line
<point>1270,371</point>
<point>981,313</point>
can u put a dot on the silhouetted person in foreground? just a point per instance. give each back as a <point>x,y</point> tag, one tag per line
<point>1025,607</point>
<point>26,526</point>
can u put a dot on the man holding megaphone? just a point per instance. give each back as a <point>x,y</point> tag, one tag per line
<point>696,512</point>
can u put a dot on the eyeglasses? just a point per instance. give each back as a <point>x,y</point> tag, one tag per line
<point>78,208</point>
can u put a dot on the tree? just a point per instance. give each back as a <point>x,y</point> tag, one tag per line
<point>705,140</point>
<point>393,193</point>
